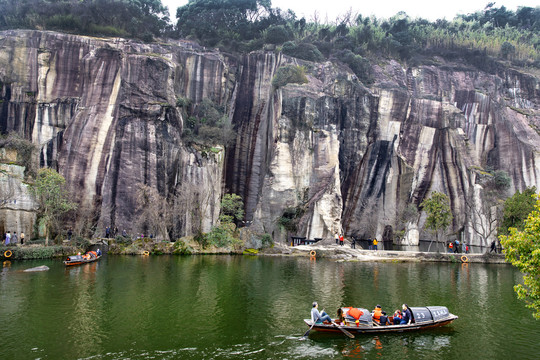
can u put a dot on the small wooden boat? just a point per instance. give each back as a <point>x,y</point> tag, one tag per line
<point>79,259</point>
<point>423,318</point>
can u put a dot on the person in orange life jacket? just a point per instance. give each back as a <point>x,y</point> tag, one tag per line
<point>407,317</point>
<point>379,316</point>
<point>341,240</point>
<point>355,313</point>
<point>451,247</point>
<point>397,317</point>
<point>318,317</point>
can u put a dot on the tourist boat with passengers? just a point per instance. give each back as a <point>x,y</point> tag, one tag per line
<point>79,259</point>
<point>422,318</point>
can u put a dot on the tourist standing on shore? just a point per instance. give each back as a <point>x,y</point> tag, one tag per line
<point>375,242</point>
<point>14,238</point>
<point>22,238</point>
<point>341,240</point>
<point>8,238</point>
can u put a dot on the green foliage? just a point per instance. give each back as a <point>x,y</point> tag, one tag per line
<point>501,180</point>
<point>183,102</point>
<point>267,240</point>
<point>207,123</point>
<point>52,196</point>
<point>439,213</point>
<point>507,50</point>
<point>516,209</point>
<point>522,249</point>
<point>358,64</point>
<point>291,216</point>
<point>123,240</point>
<point>305,51</point>
<point>289,74</point>
<point>142,19</point>
<point>221,236</point>
<point>277,35</point>
<point>232,208</point>
<point>181,247</point>
<point>216,21</point>
<point>39,252</point>
<point>24,149</point>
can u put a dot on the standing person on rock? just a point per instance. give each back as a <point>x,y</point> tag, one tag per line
<point>337,238</point>
<point>14,238</point>
<point>341,239</point>
<point>22,238</point>
<point>8,238</point>
<point>375,242</point>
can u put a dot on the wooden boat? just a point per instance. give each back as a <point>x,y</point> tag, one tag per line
<point>79,259</point>
<point>423,318</point>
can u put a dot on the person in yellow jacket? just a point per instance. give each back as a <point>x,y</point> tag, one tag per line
<point>375,242</point>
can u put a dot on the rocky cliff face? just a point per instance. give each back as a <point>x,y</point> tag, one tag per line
<point>346,157</point>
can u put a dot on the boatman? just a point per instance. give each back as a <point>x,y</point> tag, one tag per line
<point>318,317</point>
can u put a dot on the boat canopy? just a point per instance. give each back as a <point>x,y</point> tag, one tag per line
<point>429,313</point>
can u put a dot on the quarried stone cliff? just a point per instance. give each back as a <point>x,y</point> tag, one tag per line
<point>339,155</point>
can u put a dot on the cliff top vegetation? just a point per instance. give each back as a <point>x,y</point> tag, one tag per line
<point>241,26</point>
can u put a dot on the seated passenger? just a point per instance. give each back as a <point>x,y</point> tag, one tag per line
<point>407,316</point>
<point>379,316</point>
<point>318,317</point>
<point>355,313</point>
<point>397,317</point>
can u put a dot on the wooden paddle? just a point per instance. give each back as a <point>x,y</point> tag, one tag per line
<point>343,330</point>
<point>307,332</point>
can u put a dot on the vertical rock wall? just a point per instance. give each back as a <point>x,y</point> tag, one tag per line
<point>344,157</point>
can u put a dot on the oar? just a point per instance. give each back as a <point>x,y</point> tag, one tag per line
<point>343,330</point>
<point>307,332</point>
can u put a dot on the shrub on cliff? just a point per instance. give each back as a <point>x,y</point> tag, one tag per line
<point>303,51</point>
<point>207,123</point>
<point>289,74</point>
<point>53,199</point>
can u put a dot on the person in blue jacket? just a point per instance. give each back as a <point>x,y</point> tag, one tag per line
<point>318,317</point>
<point>406,315</point>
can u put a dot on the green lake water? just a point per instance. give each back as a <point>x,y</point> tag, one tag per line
<point>235,307</point>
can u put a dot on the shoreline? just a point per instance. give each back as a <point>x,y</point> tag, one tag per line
<point>330,252</point>
<point>342,253</point>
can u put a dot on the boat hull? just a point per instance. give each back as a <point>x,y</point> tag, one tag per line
<point>80,261</point>
<point>366,329</point>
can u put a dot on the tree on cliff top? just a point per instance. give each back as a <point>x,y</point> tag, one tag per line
<point>141,19</point>
<point>522,249</point>
<point>212,21</point>
<point>53,199</point>
<point>439,214</point>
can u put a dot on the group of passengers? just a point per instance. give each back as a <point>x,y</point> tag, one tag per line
<point>400,317</point>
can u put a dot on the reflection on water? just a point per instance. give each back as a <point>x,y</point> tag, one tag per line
<point>234,307</point>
